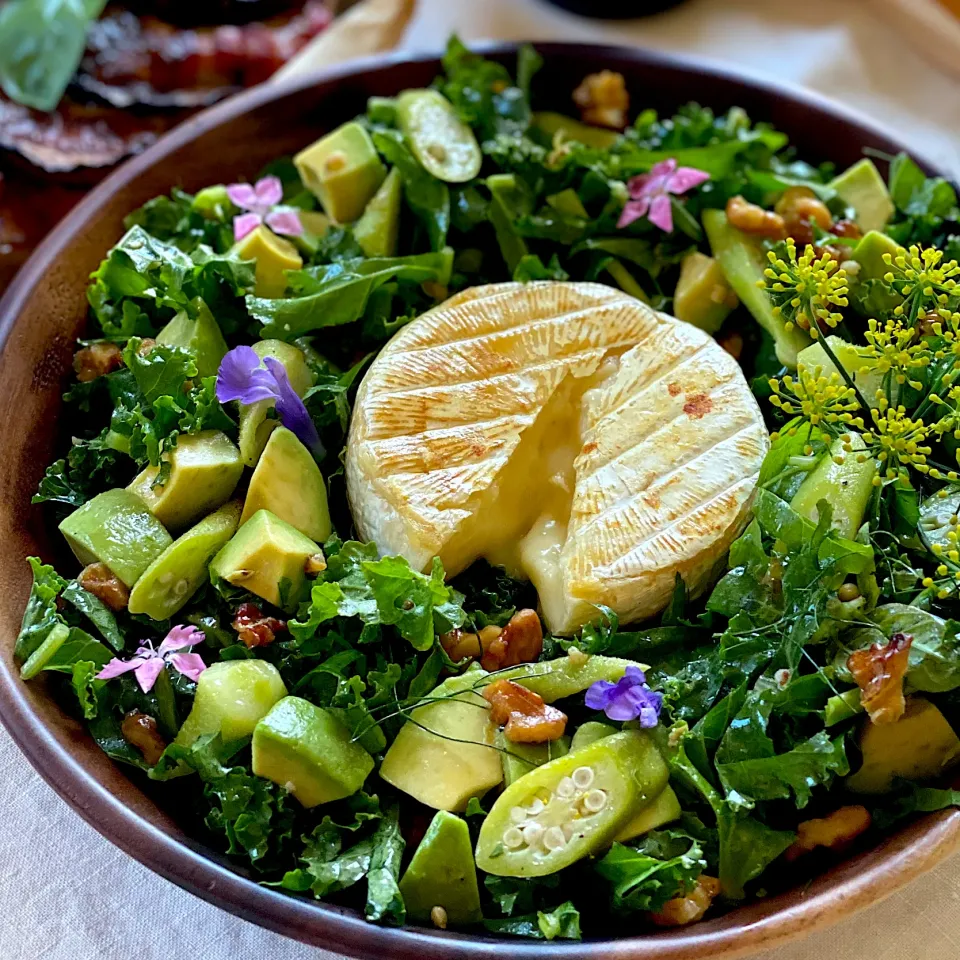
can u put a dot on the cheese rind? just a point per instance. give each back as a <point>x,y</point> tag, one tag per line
<point>565,430</point>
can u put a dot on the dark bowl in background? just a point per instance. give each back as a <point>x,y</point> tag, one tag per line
<point>45,310</point>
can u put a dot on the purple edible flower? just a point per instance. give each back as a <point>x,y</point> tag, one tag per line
<point>241,377</point>
<point>260,200</point>
<point>650,193</point>
<point>147,664</point>
<point>628,699</point>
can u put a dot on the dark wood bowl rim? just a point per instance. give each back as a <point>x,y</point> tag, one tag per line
<point>343,930</point>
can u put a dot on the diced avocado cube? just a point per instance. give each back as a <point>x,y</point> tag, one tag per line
<point>867,294</point>
<point>846,486</point>
<point>442,874</point>
<point>862,369</point>
<point>232,698</point>
<point>116,528</point>
<point>520,758</point>
<point>255,428</point>
<point>310,752</point>
<point>444,754</point>
<point>199,335</point>
<point>665,809</point>
<point>343,170</point>
<point>274,256</point>
<point>862,188</point>
<point>379,227</point>
<point>703,297</point>
<point>743,262</point>
<point>205,469</point>
<point>315,227</point>
<point>176,575</point>
<point>918,746</point>
<point>553,123</point>
<point>266,556</point>
<point>288,483</point>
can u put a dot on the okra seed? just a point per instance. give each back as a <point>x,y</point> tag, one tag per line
<point>583,777</point>
<point>536,806</point>
<point>512,838</point>
<point>554,839</point>
<point>595,801</point>
<point>518,815</point>
<point>437,151</point>
<point>532,833</point>
<point>566,788</point>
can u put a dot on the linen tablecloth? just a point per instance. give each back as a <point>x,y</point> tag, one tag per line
<point>68,894</point>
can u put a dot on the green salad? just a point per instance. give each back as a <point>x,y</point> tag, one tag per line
<point>356,726</point>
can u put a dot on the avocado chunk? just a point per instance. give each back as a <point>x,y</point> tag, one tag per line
<point>743,262</point>
<point>867,295</point>
<point>255,428</point>
<point>665,809</point>
<point>566,676</point>
<point>176,575</point>
<point>310,752</point>
<point>343,171</point>
<point>266,556</point>
<point>591,732</point>
<point>442,874</point>
<point>199,335</point>
<point>205,469</point>
<point>315,227</point>
<point>920,745</point>
<point>553,123</point>
<point>116,528</point>
<point>520,758</point>
<point>862,188</point>
<point>703,297</point>
<point>232,698</point>
<point>378,229</point>
<point>288,483</point>
<point>846,486</point>
<point>274,256</point>
<point>444,755</point>
<point>861,369</point>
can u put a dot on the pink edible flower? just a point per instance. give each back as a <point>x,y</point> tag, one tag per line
<point>650,193</point>
<point>260,200</point>
<point>147,663</point>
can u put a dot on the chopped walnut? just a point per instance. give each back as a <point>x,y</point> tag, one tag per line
<point>255,628</point>
<point>879,672</point>
<point>103,583</point>
<point>689,908</point>
<point>315,564</point>
<point>520,641</point>
<point>461,645</point>
<point>434,290</point>
<point>836,831</point>
<point>603,100</point>
<point>847,229</point>
<point>146,346</point>
<point>140,731</point>
<point>524,716</point>
<point>799,207</point>
<point>97,360</point>
<point>750,218</point>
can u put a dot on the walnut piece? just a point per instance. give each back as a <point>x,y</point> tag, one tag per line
<point>103,583</point>
<point>879,671</point>
<point>315,564</point>
<point>520,641</point>
<point>603,100</point>
<point>750,218</point>
<point>836,831</point>
<point>461,645</point>
<point>140,731</point>
<point>255,628</point>
<point>689,908</point>
<point>96,360</point>
<point>524,716</point>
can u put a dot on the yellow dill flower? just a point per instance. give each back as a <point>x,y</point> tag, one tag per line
<point>825,402</point>
<point>807,290</point>
<point>898,441</point>
<point>924,281</point>
<point>896,347</point>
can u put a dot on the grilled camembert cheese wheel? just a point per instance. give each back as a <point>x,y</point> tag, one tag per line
<point>564,430</point>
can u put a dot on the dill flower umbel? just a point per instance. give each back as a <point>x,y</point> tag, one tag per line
<point>824,402</point>
<point>924,281</point>
<point>896,348</point>
<point>807,290</point>
<point>898,441</point>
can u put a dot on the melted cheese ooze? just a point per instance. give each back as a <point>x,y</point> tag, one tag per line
<point>564,431</point>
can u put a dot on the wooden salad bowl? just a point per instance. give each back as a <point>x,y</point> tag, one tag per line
<point>44,311</point>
